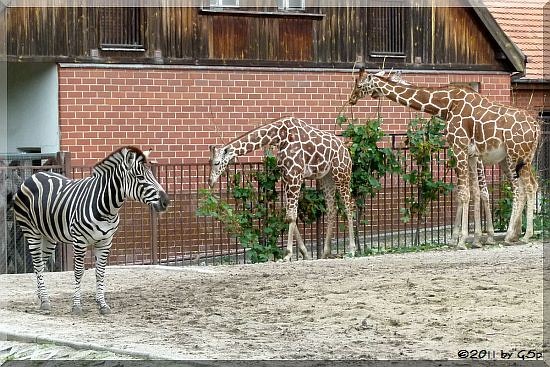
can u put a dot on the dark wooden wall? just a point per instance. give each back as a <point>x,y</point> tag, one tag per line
<point>442,37</point>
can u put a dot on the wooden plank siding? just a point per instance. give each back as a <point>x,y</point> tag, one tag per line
<point>434,37</point>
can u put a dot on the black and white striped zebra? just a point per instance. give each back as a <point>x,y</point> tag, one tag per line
<point>51,208</point>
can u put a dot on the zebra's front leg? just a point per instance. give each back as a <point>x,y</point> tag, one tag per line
<point>101,255</point>
<point>79,252</point>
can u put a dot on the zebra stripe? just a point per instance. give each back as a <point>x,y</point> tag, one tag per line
<point>51,208</point>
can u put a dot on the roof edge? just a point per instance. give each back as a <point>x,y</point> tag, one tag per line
<point>512,52</point>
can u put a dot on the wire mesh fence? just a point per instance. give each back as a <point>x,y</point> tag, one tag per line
<point>14,169</point>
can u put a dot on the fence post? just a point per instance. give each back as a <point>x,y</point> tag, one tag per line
<point>3,220</point>
<point>64,159</point>
<point>67,258</point>
<point>154,222</point>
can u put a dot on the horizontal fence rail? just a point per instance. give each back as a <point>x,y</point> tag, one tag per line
<point>180,237</point>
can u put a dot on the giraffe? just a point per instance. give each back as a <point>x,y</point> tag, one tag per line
<point>302,152</point>
<point>478,188</point>
<point>479,132</point>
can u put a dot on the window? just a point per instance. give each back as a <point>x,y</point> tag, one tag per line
<point>292,5</point>
<point>120,29</point>
<point>223,3</point>
<point>475,86</point>
<point>386,29</point>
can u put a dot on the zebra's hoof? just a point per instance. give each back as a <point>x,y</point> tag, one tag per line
<point>77,310</point>
<point>105,310</point>
<point>45,306</point>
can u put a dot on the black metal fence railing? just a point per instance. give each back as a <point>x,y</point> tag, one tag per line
<point>14,169</point>
<point>180,237</point>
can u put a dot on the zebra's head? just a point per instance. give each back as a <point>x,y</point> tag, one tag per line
<point>219,159</point>
<point>140,184</point>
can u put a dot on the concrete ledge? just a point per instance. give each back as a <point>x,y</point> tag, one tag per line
<point>26,338</point>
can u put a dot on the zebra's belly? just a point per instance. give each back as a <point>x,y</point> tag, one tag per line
<point>80,231</point>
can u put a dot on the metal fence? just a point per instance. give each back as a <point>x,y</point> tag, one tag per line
<point>14,169</point>
<point>180,237</point>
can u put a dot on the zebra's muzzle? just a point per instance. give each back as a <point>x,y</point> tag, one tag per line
<point>163,203</point>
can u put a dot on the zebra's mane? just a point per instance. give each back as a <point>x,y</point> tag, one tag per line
<point>110,157</point>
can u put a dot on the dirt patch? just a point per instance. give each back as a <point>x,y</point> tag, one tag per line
<point>424,305</point>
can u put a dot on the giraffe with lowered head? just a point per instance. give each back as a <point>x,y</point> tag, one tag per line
<point>478,130</point>
<point>302,152</point>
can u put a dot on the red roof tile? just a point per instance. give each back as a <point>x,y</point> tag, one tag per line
<point>522,21</point>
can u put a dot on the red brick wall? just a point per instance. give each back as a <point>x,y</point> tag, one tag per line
<point>177,111</point>
<point>533,101</point>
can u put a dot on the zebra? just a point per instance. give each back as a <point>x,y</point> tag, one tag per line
<point>51,208</point>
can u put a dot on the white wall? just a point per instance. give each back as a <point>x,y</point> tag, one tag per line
<point>33,107</point>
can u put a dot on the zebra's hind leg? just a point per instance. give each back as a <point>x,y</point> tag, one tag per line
<point>79,252</point>
<point>40,250</point>
<point>101,255</point>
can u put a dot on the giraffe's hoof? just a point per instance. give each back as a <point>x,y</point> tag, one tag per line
<point>525,239</point>
<point>490,240</point>
<point>461,246</point>
<point>477,245</point>
<point>510,240</point>
<point>287,257</point>
<point>350,254</point>
<point>45,306</point>
<point>105,310</point>
<point>76,310</point>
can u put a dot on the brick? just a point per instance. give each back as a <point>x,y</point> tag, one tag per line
<point>174,110</point>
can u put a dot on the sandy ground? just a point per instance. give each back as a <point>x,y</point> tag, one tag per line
<point>403,306</point>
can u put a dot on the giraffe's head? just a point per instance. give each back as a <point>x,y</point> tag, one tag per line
<point>364,85</point>
<point>219,159</point>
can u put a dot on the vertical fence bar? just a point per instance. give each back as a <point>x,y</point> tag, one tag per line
<point>154,222</point>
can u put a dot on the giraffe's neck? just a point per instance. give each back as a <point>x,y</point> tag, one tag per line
<point>266,135</point>
<point>435,102</point>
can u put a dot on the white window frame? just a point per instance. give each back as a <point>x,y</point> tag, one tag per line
<point>286,5</point>
<point>223,3</point>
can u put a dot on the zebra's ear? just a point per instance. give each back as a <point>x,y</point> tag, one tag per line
<point>130,158</point>
<point>146,153</point>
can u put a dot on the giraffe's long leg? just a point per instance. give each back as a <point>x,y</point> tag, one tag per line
<point>457,222</point>
<point>301,246</point>
<point>520,185</point>
<point>463,196</point>
<point>101,255</point>
<point>327,185</point>
<point>484,195</point>
<point>475,191</point>
<point>504,166</point>
<point>292,193</point>
<point>531,192</point>
<point>79,250</point>
<point>345,194</point>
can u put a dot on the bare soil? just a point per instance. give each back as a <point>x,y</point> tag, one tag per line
<point>402,306</point>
